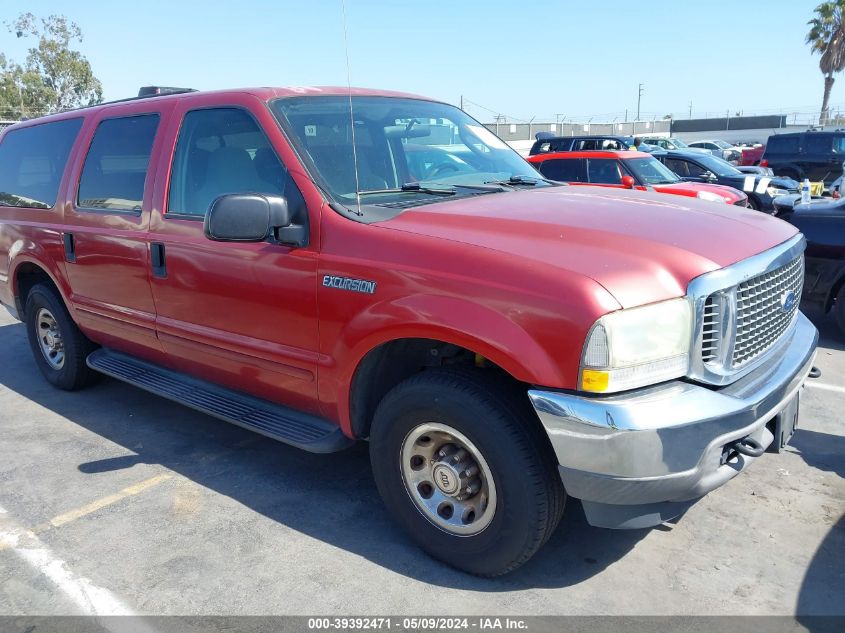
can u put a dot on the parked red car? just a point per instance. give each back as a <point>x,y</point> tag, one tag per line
<point>501,342</point>
<point>628,170</point>
<point>751,154</point>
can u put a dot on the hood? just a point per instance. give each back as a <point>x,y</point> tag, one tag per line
<point>750,182</point>
<point>641,246</point>
<point>687,188</point>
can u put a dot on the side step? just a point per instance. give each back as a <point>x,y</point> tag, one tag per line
<point>292,427</point>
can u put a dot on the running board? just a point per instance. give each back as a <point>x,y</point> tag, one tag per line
<point>292,427</point>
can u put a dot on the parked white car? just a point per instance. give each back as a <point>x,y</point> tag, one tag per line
<point>720,149</point>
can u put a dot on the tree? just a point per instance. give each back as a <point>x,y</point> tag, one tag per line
<point>53,77</point>
<point>827,38</point>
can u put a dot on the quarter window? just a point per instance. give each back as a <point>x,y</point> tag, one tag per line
<point>32,161</point>
<point>222,151</point>
<point>787,144</point>
<point>116,165</point>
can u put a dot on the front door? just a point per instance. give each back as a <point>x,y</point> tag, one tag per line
<point>238,314</point>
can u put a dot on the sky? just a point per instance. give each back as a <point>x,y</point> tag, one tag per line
<point>542,59</point>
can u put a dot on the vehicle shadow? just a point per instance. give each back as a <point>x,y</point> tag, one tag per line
<point>821,590</point>
<point>283,483</point>
<point>822,451</point>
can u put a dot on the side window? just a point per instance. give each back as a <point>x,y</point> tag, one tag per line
<point>678,166</point>
<point>587,144</point>
<point>839,144</point>
<point>611,144</point>
<point>818,144</point>
<point>782,145</point>
<point>565,170</point>
<point>32,160</point>
<point>116,165</point>
<point>695,170</point>
<point>605,171</point>
<point>221,151</point>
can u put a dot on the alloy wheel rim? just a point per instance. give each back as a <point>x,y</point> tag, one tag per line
<point>448,479</point>
<point>50,339</point>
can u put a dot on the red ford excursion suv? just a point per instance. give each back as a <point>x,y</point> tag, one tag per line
<point>275,258</point>
<point>629,170</point>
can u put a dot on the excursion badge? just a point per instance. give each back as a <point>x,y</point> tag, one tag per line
<point>347,283</point>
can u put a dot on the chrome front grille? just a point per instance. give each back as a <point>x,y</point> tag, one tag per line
<point>765,306</point>
<point>710,329</point>
<point>744,310</point>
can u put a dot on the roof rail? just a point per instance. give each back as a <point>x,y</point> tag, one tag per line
<point>158,91</point>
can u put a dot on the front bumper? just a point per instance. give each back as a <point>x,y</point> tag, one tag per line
<point>642,457</point>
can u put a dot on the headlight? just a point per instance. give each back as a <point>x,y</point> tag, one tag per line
<point>637,346</point>
<point>711,197</point>
<point>776,191</point>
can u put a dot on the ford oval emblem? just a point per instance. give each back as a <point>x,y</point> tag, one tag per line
<point>787,300</point>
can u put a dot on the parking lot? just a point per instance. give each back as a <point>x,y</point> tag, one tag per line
<point>115,501</point>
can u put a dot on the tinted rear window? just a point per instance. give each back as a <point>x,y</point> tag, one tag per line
<point>782,145</point>
<point>565,170</point>
<point>116,165</point>
<point>32,161</point>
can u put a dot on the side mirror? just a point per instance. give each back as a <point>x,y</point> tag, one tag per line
<point>252,217</point>
<point>628,182</point>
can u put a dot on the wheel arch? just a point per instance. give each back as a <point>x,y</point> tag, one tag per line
<point>27,273</point>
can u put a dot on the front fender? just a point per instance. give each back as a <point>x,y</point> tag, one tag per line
<point>495,335</point>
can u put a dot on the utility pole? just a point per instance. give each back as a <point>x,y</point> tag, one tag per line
<point>639,98</point>
<point>462,102</point>
<point>690,109</point>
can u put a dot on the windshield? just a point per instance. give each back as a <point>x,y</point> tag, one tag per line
<point>398,142</point>
<point>723,144</point>
<point>678,143</point>
<point>717,165</point>
<point>651,171</point>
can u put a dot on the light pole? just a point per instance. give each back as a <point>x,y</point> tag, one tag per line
<point>639,98</point>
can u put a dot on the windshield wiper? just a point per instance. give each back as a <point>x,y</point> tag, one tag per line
<point>409,187</point>
<point>519,179</point>
<point>445,190</point>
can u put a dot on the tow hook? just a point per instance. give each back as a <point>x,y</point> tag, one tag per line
<point>815,372</point>
<point>748,446</point>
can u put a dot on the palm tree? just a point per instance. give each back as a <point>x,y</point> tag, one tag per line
<point>827,38</point>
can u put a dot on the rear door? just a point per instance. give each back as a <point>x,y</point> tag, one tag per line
<point>817,160</point>
<point>241,315</point>
<point>107,213</point>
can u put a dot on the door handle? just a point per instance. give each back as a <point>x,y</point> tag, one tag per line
<point>70,247</point>
<point>157,261</point>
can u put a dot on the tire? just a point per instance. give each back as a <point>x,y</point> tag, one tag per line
<point>58,346</point>
<point>506,443</point>
<point>839,309</point>
<point>754,204</point>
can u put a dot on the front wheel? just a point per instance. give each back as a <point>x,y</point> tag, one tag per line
<point>465,468</point>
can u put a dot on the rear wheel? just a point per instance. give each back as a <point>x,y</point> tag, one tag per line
<point>58,346</point>
<point>466,470</point>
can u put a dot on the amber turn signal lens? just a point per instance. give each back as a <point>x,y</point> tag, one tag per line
<point>595,381</point>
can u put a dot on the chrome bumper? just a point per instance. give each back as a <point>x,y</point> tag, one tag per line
<point>640,458</point>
